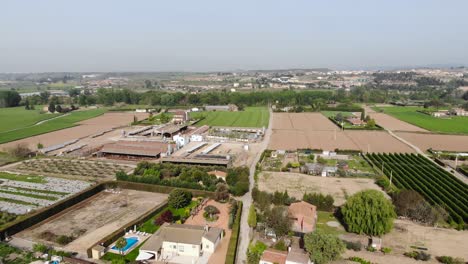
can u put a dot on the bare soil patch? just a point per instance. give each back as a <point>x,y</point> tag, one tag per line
<point>293,131</point>
<point>297,184</point>
<point>438,241</point>
<point>392,123</point>
<point>436,141</point>
<point>95,218</point>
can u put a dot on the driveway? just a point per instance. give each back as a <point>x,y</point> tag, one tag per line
<point>244,235</point>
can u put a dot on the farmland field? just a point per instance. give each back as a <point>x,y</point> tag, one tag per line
<point>18,117</point>
<point>437,186</point>
<point>293,131</point>
<point>79,169</point>
<point>52,125</point>
<point>19,194</point>
<point>250,117</point>
<point>456,124</point>
<point>79,130</point>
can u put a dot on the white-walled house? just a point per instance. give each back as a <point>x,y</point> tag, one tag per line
<point>173,240</point>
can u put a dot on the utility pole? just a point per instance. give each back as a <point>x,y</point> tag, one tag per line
<point>383,162</point>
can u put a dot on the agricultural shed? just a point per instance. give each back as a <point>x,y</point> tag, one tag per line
<point>150,149</point>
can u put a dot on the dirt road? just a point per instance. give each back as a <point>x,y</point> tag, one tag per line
<point>244,235</point>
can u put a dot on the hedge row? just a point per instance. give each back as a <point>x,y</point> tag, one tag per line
<point>156,188</point>
<point>462,171</point>
<point>377,127</point>
<point>47,212</point>
<point>234,241</point>
<point>343,108</point>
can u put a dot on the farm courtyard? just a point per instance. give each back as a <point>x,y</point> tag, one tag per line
<point>94,218</point>
<point>297,184</point>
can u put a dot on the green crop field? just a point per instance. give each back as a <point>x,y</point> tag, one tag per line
<point>49,126</point>
<point>250,117</point>
<point>455,125</point>
<point>18,117</point>
<point>437,186</point>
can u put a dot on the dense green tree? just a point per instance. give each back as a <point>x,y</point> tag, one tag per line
<point>222,192</point>
<point>278,220</point>
<point>9,98</point>
<point>121,244</point>
<point>368,212</point>
<point>323,202</point>
<point>179,198</point>
<point>323,247</point>
<point>51,107</point>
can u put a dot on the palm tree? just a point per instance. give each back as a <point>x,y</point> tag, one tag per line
<point>120,245</point>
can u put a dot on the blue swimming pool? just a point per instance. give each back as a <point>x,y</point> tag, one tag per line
<point>131,241</point>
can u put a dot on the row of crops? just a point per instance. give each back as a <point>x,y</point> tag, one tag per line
<point>439,187</point>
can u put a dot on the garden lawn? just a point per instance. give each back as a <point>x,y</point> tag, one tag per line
<point>453,125</point>
<point>323,218</point>
<point>18,117</point>
<point>150,227</point>
<point>52,125</point>
<point>131,256</point>
<point>250,117</point>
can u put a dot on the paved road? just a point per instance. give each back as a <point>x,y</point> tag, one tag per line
<point>244,234</point>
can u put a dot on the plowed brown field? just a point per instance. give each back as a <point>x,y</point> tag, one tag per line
<point>293,131</point>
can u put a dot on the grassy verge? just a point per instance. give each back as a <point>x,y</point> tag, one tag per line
<point>52,125</point>
<point>23,178</point>
<point>234,241</point>
<point>31,195</point>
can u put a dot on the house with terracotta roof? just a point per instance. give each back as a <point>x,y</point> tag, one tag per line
<point>219,174</point>
<point>303,216</point>
<point>273,256</point>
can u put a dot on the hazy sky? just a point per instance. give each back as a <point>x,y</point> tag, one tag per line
<point>197,35</point>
